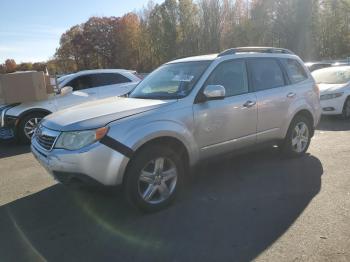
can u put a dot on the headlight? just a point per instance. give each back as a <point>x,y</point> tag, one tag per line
<point>331,96</point>
<point>79,139</point>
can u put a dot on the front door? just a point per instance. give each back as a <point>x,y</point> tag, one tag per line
<point>230,123</point>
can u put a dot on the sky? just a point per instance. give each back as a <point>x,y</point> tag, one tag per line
<point>30,29</point>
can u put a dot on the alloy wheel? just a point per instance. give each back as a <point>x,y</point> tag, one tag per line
<point>157,180</point>
<point>30,126</point>
<point>300,137</point>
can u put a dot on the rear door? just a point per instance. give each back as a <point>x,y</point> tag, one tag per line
<point>274,96</point>
<point>230,123</point>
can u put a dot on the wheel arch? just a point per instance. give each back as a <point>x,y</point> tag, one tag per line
<point>34,110</point>
<point>307,114</point>
<point>347,98</point>
<point>169,141</point>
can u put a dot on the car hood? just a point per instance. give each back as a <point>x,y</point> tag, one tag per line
<point>98,113</point>
<point>327,88</point>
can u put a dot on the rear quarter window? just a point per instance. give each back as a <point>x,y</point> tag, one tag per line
<point>295,71</point>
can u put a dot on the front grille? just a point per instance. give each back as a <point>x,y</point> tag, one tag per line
<point>46,141</point>
<point>45,137</point>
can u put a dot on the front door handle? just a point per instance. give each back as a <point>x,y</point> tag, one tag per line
<point>249,104</point>
<point>291,95</point>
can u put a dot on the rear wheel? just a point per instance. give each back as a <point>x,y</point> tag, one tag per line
<point>346,109</point>
<point>298,137</point>
<point>153,178</point>
<point>27,126</point>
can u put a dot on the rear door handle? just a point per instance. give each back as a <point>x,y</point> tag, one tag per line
<point>249,104</point>
<point>291,95</point>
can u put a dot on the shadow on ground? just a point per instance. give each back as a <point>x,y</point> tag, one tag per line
<point>10,148</point>
<point>234,210</point>
<point>333,123</point>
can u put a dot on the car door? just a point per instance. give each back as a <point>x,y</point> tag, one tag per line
<point>230,123</point>
<point>113,84</point>
<point>273,96</point>
<point>84,90</point>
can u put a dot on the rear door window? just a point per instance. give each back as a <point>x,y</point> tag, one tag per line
<point>266,73</point>
<point>109,79</point>
<point>295,71</point>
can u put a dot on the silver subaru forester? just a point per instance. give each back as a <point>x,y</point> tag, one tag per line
<point>184,112</point>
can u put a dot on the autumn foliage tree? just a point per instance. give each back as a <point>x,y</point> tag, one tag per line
<point>314,29</point>
<point>10,65</point>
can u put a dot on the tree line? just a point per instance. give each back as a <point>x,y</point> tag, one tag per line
<point>313,29</point>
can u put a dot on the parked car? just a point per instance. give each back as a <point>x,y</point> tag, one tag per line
<point>20,120</point>
<point>312,66</point>
<point>334,84</point>
<point>184,112</point>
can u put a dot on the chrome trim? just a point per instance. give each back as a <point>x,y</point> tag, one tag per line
<point>3,111</point>
<point>43,131</point>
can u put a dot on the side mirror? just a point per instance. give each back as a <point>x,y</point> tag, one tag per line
<point>214,92</point>
<point>66,90</point>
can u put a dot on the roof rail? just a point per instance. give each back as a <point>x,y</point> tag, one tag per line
<point>256,49</point>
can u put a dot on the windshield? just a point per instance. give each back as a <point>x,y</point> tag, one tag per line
<point>170,81</point>
<point>332,76</point>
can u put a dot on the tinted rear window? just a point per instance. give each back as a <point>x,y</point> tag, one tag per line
<point>109,79</point>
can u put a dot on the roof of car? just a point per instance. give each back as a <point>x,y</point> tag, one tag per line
<point>239,52</point>
<point>100,71</point>
<point>195,58</point>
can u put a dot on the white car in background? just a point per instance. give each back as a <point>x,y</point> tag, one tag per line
<point>20,120</point>
<point>334,85</point>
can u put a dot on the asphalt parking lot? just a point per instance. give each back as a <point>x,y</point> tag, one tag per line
<point>258,206</point>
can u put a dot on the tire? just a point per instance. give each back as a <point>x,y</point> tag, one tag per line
<point>296,144</point>
<point>162,178</point>
<point>28,121</point>
<point>346,109</point>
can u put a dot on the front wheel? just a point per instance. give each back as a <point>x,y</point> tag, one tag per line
<point>153,178</point>
<point>298,137</point>
<point>27,126</point>
<point>346,109</point>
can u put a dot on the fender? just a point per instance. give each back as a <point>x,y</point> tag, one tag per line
<point>298,106</point>
<point>15,119</point>
<point>164,128</point>
<point>22,109</point>
<point>40,110</point>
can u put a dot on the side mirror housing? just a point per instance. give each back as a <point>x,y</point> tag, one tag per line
<point>66,90</point>
<point>214,92</point>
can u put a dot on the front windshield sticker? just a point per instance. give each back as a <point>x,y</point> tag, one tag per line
<point>183,78</point>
